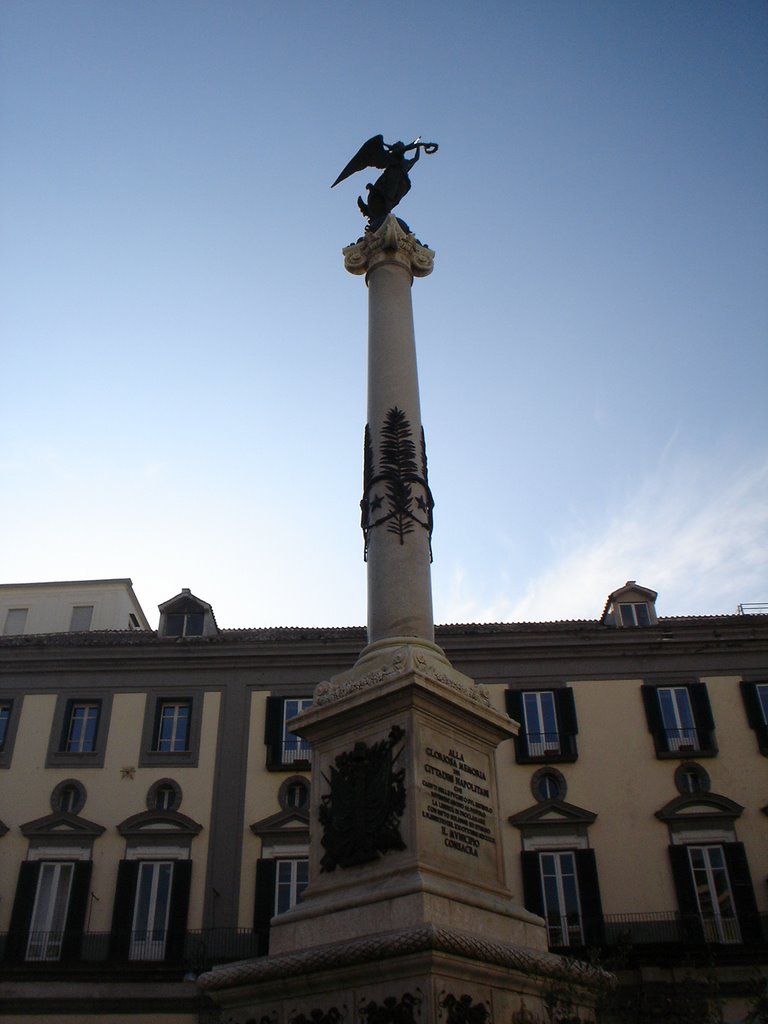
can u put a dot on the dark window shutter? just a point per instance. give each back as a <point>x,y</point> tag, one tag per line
<point>263,911</point>
<point>755,714</point>
<point>122,912</point>
<point>653,717</point>
<point>273,732</point>
<point>515,710</point>
<point>702,714</point>
<point>569,726</point>
<point>533,898</point>
<point>686,894</point>
<point>78,907</point>
<point>21,915</point>
<point>743,892</point>
<point>751,704</point>
<point>589,896</point>
<point>178,909</point>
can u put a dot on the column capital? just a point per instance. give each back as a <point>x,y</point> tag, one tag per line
<point>390,243</point>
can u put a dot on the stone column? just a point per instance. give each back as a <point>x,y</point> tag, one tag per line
<point>397,503</point>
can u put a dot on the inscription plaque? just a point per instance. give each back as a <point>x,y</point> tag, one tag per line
<point>456,796</point>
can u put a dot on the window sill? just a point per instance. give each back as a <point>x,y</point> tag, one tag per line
<point>299,765</point>
<point>65,759</point>
<point>168,758</point>
<point>685,754</point>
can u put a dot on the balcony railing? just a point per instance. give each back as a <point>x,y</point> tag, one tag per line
<point>201,949</point>
<point>295,750</point>
<point>682,739</point>
<point>543,744</point>
<point>668,928</point>
<point>198,949</point>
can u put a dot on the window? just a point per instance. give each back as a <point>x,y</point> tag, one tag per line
<point>562,887</point>
<point>173,720</point>
<point>560,893</point>
<point>5,717</point>
<point>81,618</point>
<point>15,621</point>
<point>713,893</point>
<point>68,797</point>
<point>541,723</point>
<point>80,730</point>
<point>9,721</point>
<point>150,915</point>
<point>548,784</point>
<point>280,885</point>
<point>680,720</point>
<point>297,794</point>
<point>547,724</point>
<point>46,932</point>
<point>81,727</point>
<point>291,880</point>
<point>635,614</point>
<point>755,697</point>
<point>164,795</point>
<point>677,718</point>
<point>691,778</point>
<point>761,690</point>
<point>714,889</point>
<point>49,909</point>
<point>171,732</point>
<point>150,911</point>
<point>184,623</point>
<point>284,749</point>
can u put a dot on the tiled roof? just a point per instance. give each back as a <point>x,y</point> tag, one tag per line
<point>297,634</point>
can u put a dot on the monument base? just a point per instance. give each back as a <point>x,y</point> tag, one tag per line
<point>407,872</point>
<point>423,975</point>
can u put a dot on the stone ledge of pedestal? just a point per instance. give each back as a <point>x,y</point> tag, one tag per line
<point>403,911</point>
<point>426,962</point>
<point>386,667</point>
<point>389,243</point>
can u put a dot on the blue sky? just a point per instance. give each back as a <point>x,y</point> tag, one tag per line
<point>182,393</point>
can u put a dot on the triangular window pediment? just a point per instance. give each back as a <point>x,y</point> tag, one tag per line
<point>553,812</point>
<point>61,824</point>
<point>293,823</point>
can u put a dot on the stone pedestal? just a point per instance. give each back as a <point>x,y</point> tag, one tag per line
<point>408,918</point>
<point>405,805</point>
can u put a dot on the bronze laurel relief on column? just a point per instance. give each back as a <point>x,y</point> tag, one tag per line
<point>396,493</point>
<point>360,816</point>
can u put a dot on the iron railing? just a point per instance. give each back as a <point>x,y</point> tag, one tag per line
<point>199,949</point>
<point>682,740</point>
<point>540,744</point>
<point>671,928</point>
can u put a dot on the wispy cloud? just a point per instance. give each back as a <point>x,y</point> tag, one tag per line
<point>696,531</point>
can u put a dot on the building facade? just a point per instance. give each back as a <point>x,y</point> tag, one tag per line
<point>154,806</point>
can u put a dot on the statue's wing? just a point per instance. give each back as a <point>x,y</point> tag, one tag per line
<point>371,154</point>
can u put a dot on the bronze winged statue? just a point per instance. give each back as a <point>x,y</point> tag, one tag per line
<point>394,183</point>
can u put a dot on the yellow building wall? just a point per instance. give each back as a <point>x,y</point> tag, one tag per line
<point>618,776</point>
<point>115,792</point>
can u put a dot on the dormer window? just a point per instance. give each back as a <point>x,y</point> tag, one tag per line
<point>635,614</point>
<point>630,607</point>
<point>186,615</point>
<point>184,624</point>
